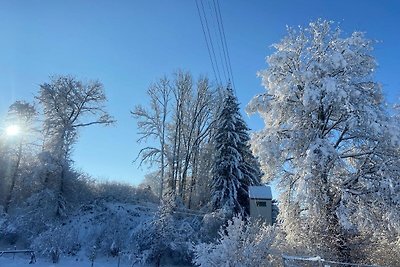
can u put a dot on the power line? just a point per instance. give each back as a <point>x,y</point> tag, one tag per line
<point>222,40</point>
<point>215,18</point>
<point>205,37</point>
<point>220,46</point>
<point>211,42</point>
<point>226,46</point>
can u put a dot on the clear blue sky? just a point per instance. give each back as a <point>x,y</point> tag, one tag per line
<point>129,44</point>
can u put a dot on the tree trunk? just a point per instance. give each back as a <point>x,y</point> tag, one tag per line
<point>338,237</point>
<point>13,178</point>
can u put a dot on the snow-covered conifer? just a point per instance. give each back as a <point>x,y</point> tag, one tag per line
<point>235,167</point>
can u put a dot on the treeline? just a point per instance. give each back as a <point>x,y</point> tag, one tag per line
<point>180,119</point>
<point>37,141</point>
<point>196,141</point>
<point>191,121</point>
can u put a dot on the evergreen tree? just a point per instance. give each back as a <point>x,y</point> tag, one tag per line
<point>235,167</point>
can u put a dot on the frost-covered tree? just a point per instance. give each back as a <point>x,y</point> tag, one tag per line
<point>194,118</point>
<point>328,140</point>
<point>235,167</point>
<point>179,120</point>
<point>68,105</point>
<point>159,243</point>
<point>153,124</point>
<point>23,116</point>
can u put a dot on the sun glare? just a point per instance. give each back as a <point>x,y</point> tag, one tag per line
<point>12,130</point>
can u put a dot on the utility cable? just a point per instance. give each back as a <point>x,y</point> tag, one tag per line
<point>219,25</point>
<point>205,37</point>
<point>211,43</point>
<point>220,45</point>
<point>226,46</point>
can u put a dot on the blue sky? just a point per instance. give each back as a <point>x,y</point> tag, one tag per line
<point>127,45</point>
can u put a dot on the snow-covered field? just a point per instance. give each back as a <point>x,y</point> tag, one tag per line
<point>23,261</point>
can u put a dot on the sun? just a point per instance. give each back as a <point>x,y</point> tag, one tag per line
<point>13,130</point>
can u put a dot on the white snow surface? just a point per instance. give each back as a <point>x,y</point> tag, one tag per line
<point>23,261</point>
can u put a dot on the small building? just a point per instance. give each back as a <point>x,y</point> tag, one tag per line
<point>260,198</point>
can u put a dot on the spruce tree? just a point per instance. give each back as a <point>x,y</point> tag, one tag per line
<point>235,167</point>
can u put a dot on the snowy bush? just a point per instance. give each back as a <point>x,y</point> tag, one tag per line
<point>166,236</point>
<point>211,224</point>
<point>124,193</point>
<point>105,226</point>
<point>241,244</point>
<point>56,241</point>
<point>379,249</point>
<point>9,234</point>
<point>31,218</point>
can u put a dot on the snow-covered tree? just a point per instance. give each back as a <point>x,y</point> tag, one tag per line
<point>235,167</point>
<point>328,139</point>
<point>21,115</point>
<point>189,132</point>
<point>179,119</point>
<point>153,124</point>
<point>68,105</point>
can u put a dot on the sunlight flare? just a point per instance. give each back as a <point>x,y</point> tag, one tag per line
<point>13,130</point>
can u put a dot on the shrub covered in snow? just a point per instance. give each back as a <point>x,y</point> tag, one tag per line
<point>241,244</point>
<point>377,248</point>
<point>124,193</point>
<point>211,225</point>
<point>167,236</point>
<point>31,218</point>
<point>101,225</point>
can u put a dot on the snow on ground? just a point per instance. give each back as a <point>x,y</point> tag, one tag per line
<point>64,262</point>
<point>22,261</point>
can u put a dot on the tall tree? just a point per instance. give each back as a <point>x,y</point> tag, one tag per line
<point>153,123</point>
<point>234,169</point>
<point>183,85</point>
<point>68,105</point>
<point>22,116</point>
<point>179,119</point>
<point>199,132</point>
<point>327,139</point>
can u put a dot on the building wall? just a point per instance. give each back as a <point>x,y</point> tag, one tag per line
<point>260,211</point>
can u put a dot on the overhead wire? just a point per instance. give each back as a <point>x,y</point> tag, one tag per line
<point>217,19</point>
<point>223,63</point>
<point>211,41</point>
<point>220,45</point>
<point>218,7</point>
<point>205,37</point>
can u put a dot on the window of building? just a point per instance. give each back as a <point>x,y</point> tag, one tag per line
<point>261,203</point>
